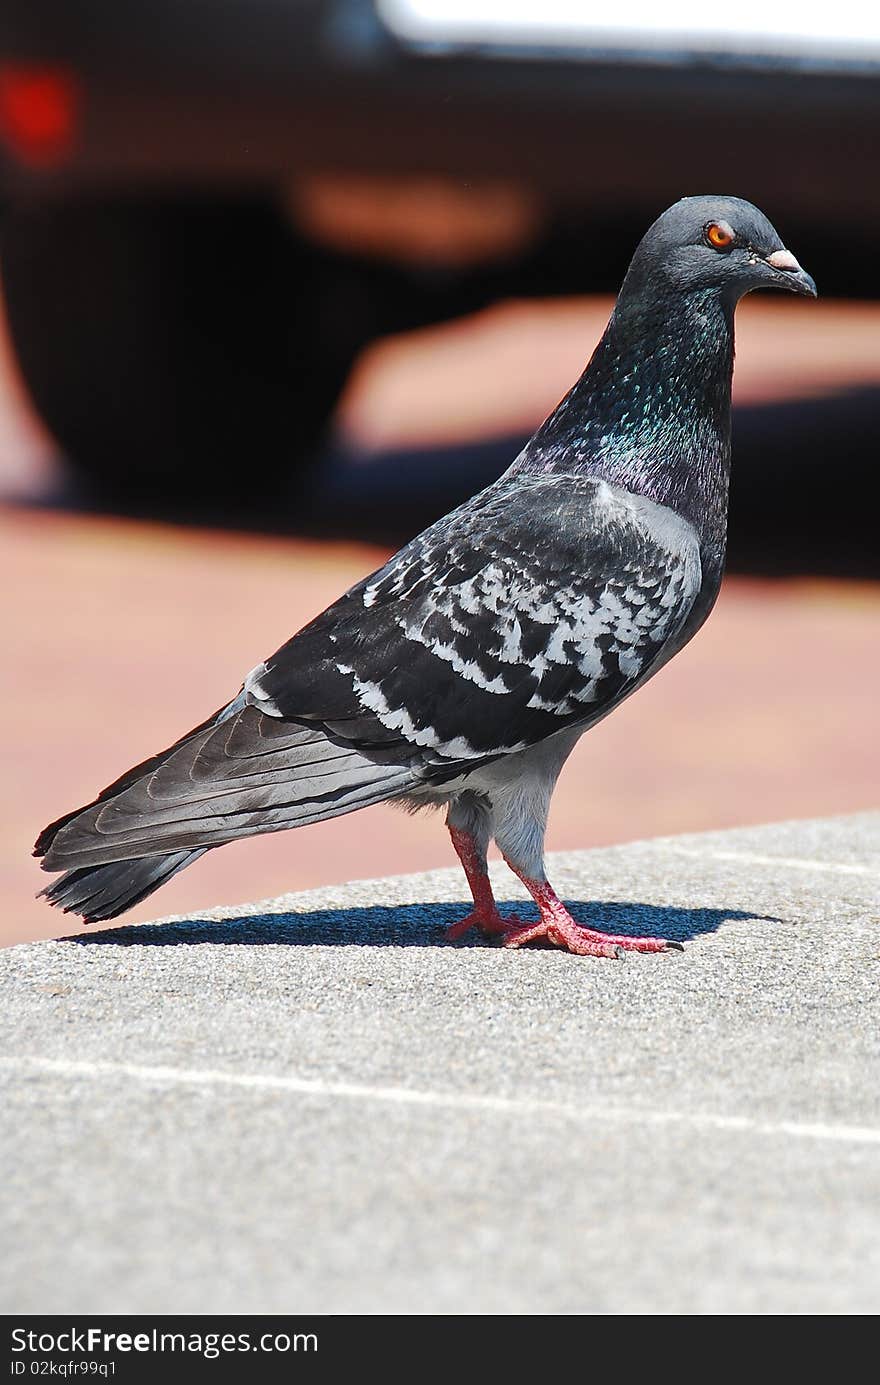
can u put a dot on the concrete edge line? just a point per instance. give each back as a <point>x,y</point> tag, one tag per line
<point>750,858</point>
<point>464,1101</point>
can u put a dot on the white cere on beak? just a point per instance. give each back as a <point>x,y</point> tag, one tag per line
<point>783,259</point>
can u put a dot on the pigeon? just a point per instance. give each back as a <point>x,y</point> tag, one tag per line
<point>462,673</point>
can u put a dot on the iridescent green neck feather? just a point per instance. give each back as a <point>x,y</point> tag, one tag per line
<point>651,412</point>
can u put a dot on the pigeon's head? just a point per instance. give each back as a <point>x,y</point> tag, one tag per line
<point>716,243</point>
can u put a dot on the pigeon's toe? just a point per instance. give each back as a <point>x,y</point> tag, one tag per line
<point>490,922</point>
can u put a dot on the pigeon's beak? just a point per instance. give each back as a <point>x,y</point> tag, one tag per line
<point>789,274</point>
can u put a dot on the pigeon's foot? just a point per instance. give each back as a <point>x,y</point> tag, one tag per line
<point>488,921</point>
<point>557,926</point>
<point>586,942</point>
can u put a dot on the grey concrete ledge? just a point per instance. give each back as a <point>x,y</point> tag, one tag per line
<point>315,1104</point>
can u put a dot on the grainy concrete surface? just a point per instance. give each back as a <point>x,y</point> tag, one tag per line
<point>314,1104</point>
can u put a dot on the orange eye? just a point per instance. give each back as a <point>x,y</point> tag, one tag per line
<point>720,235</point>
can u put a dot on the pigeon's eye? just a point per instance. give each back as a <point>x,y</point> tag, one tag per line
<point>719,235</point>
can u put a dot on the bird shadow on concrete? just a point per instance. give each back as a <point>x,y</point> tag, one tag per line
<point>403,925</point>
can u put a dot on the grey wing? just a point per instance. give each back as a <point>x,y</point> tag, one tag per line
<point>242,774</point>
<point>532,609</point>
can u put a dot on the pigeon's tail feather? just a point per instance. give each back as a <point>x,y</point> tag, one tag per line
<point>241,773</point>
<point>46,838</point>
<point>102,892</point>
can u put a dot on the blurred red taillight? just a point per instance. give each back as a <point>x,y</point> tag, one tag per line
<point>39,109</point>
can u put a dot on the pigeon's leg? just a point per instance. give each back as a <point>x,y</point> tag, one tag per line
<point>469,827</point>
<point>520,820</point>
<point>557,926</point>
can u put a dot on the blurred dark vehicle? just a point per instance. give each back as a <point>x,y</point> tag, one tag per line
<point>209,207</point>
